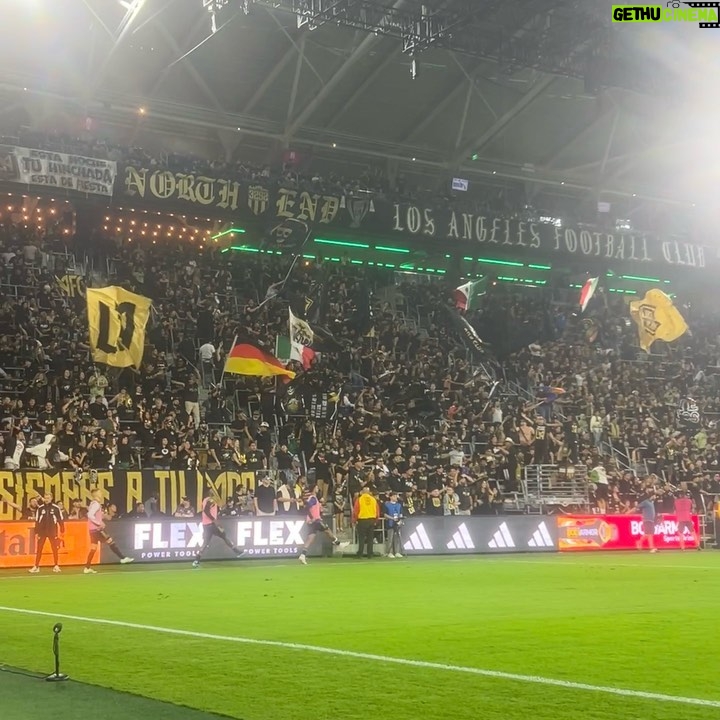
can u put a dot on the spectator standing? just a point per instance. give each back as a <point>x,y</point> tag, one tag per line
<point>152,504</point>
<point>184,509</point>
<point>646,507</point>
<point>254,458</point>
<point>451,501</point>
<point>265,501</point>
<point>321,465</point>
<point>393,517</point>
<point>285,463</point>
<point>598,475</point>
<point>191,398</point>
<point>288,497</point>
<point>464,495</point>
<point>366,512</point>
<point>208,355</point>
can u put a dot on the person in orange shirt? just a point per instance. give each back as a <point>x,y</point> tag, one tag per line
<point>366,512</point>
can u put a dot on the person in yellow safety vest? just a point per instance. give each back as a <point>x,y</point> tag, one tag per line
<point>366,512</point>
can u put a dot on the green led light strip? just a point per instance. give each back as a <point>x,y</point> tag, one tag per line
<point>406,267</point>
<point>540,267</point>
<point>490,261</point>
<point>525,281</point>
<point>227,232</point>
<point>342,243</point>
<point>640,278</point>
<point>392,249</point>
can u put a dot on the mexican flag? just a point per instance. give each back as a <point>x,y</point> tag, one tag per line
<point>587,292</point>
<point>466,296</point>
<point>287,351</point>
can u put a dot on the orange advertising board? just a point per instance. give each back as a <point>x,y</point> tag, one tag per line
<point>18,544</point>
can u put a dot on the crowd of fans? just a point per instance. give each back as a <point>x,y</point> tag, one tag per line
<point>415,414</point>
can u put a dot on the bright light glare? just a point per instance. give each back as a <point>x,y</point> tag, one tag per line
<point>132,6</point>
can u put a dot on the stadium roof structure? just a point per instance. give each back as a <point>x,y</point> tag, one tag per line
<point>545,92</point>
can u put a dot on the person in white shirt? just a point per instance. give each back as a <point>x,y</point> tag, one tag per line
<point>456,456</point>
<point>596,428</point>
<point>598,475</point>
<point>14,450</point>
<point>207,353</point>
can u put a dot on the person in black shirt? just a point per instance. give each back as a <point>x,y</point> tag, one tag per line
<point>263,441</point>
<point>322,473</point>
<point>464,496</point>
<point>49,525</point>
<point>570,435</point>
<point>541,446</point>
<point>191,398</point>
<point>98,455</point>
<point>46,419</point>
<point>265,498</point>
<point>436,480</point>
<point>285,462</point>
<point>434,505</point>
<point>254,458</point>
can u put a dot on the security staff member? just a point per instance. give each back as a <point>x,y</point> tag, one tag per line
<point>366,512</point>
<point>49,525</point>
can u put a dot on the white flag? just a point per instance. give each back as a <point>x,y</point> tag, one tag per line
<point>300,332</point>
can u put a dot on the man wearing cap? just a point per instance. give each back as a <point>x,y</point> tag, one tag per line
<point>366,511</point>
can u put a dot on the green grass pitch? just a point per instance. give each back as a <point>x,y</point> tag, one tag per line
<point>600,623</point>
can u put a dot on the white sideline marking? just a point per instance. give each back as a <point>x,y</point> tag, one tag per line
<point>497,674</point>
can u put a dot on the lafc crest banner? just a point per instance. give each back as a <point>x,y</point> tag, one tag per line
<point>688,412</point>
<point>657,319</point>
<point>117,320</point>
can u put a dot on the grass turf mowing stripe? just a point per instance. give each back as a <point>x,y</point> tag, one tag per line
<point>496,674</point>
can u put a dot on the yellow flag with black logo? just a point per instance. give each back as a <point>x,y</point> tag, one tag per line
<point>117,320</point>
<point>657,319</point>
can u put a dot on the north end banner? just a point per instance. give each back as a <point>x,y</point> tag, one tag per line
<point>53,170</point>
<point>244,200</point>
<point>365,214</point>
<point>124,488</point>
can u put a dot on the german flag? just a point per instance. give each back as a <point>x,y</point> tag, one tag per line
<point>247,359</point>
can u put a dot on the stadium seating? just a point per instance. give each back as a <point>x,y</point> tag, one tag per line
<point>414,411</point>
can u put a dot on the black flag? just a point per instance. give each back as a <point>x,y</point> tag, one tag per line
<point>290,234</point>
<point>467,332</point>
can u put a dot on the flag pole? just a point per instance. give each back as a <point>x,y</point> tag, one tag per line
<point>281,283</point>
<point>222,375</point>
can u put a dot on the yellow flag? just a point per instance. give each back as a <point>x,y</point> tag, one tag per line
<point>657,319</point>
<point>117,320</point>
